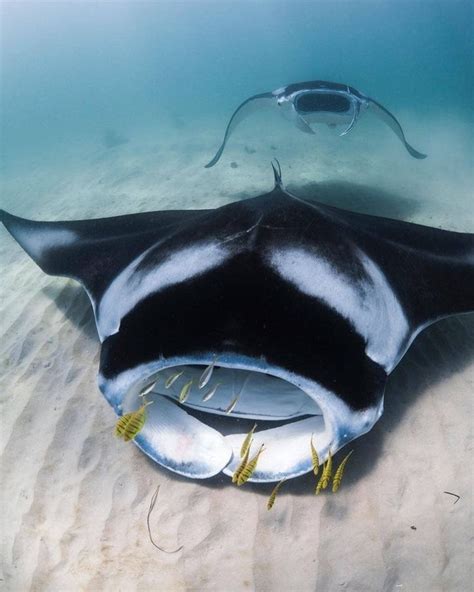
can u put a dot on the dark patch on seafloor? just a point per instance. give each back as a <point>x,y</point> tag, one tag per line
<point>178,121</point>
<point>354,197</point>
<point>73,302</point>
<point>112,139</point>
<point>363,199</point>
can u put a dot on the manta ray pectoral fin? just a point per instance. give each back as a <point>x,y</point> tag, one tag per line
<point>245,109</point>
<point>352,123</point>
<point>94,251</point>
<point>394,125</point>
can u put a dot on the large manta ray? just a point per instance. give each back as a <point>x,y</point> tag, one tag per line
<point>305,103</point>
<point>305,309</point>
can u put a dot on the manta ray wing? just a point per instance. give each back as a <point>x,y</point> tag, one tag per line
<point>392,122</point>
<point>319,302</point>
<point>245,109</point>
<point>93,252</point>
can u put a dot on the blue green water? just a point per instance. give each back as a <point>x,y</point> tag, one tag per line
<point>71,69</point>
<point>111,107</point>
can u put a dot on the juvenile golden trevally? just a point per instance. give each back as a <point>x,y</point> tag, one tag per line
<point>314,457</point>
<point>172,379</point>
<point>130,424</point>
<point>206,375</point>
<point>247,441</point>
<point>249,468</point>
<point>233,404</point>
<point>241,466</point>
<point>336,483</point>
<point>276,489</point>
<point>211,392</point>
<point>148,388</point>
<point>184,394</point>
<point>326,475</point>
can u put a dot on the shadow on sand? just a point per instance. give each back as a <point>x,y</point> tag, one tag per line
<point>74,303</point>
<point>358,198</point>
<point>363,199</point>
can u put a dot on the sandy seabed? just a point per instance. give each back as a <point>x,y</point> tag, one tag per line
<point>74,499</point>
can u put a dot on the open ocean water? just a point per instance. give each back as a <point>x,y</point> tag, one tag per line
<point>85,80</point>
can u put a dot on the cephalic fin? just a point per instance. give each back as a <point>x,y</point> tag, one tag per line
<point>303,125</point>
<point>245,109</point>
<point>352,123</point>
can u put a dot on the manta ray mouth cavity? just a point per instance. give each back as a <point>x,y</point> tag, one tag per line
<point>198,432</point>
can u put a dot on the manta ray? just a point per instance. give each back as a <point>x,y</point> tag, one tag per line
<point>302,310</point>
<point>316,101</point>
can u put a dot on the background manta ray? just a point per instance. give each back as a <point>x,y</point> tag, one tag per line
<point>305,309</point>
<point>316,102</point>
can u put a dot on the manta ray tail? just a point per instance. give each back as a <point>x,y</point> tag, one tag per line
<point>249,106</point>
<point>394,125</point>
<point>277,174</point>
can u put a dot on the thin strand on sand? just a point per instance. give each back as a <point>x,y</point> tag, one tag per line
<point>150,510</point>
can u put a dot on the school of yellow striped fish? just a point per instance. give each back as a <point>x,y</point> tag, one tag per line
<point>130,424</point>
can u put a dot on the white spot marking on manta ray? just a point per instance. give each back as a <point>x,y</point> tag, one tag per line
<point>132,286</point>
<point>369,303</point>
<point>41,240</point>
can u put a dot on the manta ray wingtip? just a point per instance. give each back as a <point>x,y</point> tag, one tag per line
<point>415,153</point>
<point>216,158</point>
<point>4,215</point>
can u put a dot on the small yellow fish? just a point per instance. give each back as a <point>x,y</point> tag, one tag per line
<point>148,389</point>
<point>211,392</point>
<point>241,466</point>
<point>206,375</point>
<point>184,394</point>
<point>314,457</point>
<point>249,468</point>
<point>271,499</point>
<point>232,405</point>
<point>130,424</point>
<point>172,379</point>
<point>246,443</point>
<point>336,483</point>
<point>326,475</point>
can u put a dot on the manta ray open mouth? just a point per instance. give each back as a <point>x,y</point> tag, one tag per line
<point>309,102</point>
<point>202,434</point>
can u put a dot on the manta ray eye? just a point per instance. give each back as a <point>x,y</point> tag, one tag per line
<point>314,102</point>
